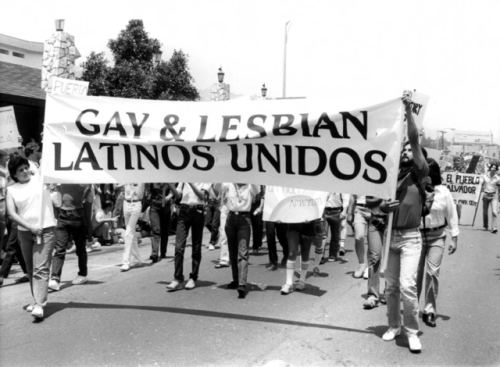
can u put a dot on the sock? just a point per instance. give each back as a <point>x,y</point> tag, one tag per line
<point>290,268</point>
<point>303,273</point>
<point>342,243</point>
<point>318,253</point>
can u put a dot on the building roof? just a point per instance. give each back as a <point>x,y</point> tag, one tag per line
<point>21,81</point>
<point>19,43</point>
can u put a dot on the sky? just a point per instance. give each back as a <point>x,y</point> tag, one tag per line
<point>361,51</point>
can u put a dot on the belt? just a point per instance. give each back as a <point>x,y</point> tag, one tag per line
<point>239,213</point>
<point>435,228</point>
<point>401,231</point>
<point>188,207</point>
<point>337,208</point>
<point>132,201</point>
<point>363,205</point>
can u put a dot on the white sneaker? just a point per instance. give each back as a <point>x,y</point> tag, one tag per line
<point>37,312</point>
<point>89,249</point>
<point>391,334</point>
<point>54,285</point>
<point>174,286</point>
<point>415,345</point>
<point>30,307</point>
<point>71,250</point>
<point>125,267</point>
<point>190,284</point>
<point>365,274</point>
<point>211,247</point>
<point>96,245</point>
<point>79,280</point>
<point>287,289</point>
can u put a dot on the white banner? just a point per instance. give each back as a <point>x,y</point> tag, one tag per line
<point>477,137</point>
<point>68,87</point>
<point>292,143</point>
<point>465,189</point>
<point>290,205</point>
<point>9,134</point>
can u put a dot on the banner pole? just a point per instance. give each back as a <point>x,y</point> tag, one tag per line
<point>40,192</point>
<point>386,245</point>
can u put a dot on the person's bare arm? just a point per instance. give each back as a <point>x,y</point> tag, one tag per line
<point>418,156</point>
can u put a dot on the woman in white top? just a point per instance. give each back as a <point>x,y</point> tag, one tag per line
<point>443,215</point>
<point>132,209</point>
<point>37,239</point>
<point>239,198</point>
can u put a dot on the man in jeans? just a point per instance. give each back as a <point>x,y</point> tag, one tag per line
<point>406,241</point>
<point>491,181</point>
<point>212,217</point>
<point>71,221</point>
<point>191,215</point>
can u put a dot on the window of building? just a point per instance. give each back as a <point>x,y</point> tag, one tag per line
<point>17,54</point>
<point>2,51</point>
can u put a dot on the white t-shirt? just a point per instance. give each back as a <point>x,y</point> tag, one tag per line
<point>188,195</point>
<point>239,199</point>
<point>27,200</point>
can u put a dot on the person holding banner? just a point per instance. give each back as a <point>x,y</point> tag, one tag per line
<point>238,228</point>
<point>443,215</point>
<point>132,210</point>
<point>405,239</point>
<point>37,240</point>
<point>191,216</point>
<point>491,182</point>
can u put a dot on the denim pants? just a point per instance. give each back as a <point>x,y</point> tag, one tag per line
<point>273,229</point>
<point>375,244</point>
<point>224,250</point>
<point>12,250</point>
<point>429,266</point>
<point>212,220</point>
<point>490,200</point>
<point>131,214</point>
<point>257,226</point>
<point>238,228</point>
<point>38,258</point>
<point>189,218</point>
<point>160,226</point>
<point>332,217</point>
<point>70,223</point>
<point>401,278</point>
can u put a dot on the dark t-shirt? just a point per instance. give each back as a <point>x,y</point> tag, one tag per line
<point>409,213</point>
<point>72,196</point>
<point>157,192</point>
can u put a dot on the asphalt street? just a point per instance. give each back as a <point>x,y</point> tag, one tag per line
<point>129,319</point>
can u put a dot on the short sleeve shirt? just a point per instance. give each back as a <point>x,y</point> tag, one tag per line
<point>188,195</point>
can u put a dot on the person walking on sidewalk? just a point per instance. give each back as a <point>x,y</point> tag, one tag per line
<point>191,216</point>
<point>132,210</point>
<point>24,206</point>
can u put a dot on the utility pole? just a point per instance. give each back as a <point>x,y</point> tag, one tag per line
<point>287,27</point>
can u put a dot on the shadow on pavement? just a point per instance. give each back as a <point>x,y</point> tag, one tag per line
<point>68,284</point>
<point>53,308</point>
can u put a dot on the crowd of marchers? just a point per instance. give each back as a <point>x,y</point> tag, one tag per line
<point>78,218</point>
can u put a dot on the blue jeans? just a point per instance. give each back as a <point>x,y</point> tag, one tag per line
<point>374,255</point>
<point>160,226</point>
<point>332,217</point>
<point>38,258</point>
<point>238,228</point>
<point>189,217</point>
<point>401,278</point>
<point>490,200</point>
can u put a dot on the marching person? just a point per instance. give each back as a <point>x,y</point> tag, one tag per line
<point>238,228</point>
<point>132,210</point>
<point>160,217</point>
<point>70,223</point>
<point>443,215</point>
<point>335,215</point>
<point>212,217</point>
<point>357,217</point>
<point>491,182</point>
<point>24,206</point>
<point>406,241</point>
<point>191,216</point>
<point>222,241</point>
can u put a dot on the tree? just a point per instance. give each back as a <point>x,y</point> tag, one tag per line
<point>134,74</point>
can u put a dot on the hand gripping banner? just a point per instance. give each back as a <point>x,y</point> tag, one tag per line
<point>293,143</point>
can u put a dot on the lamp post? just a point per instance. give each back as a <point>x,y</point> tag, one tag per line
<point>59,25</point>
<point>157,58</point>
<point>442,135</point>
<point>220,75</point>
<point>287,27</point>
<point>264,90</point>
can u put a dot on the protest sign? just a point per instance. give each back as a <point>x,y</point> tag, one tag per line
<point>9,134</point>
<point>68,87</point>
<point>292,143</point>
<point>290,205</point>
<point>465,189</point>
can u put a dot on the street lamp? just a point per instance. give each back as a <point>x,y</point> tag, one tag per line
<point>264,90</point>
<point>287,27</point>
<point>220,75</point>
<point>157,58</point>
<point>59,25</point>
<point>442,135</point>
